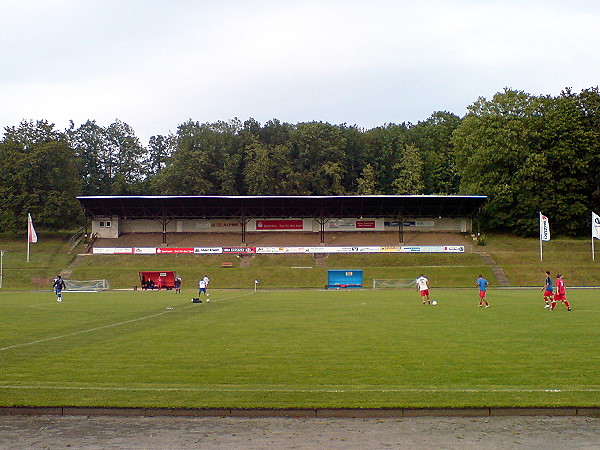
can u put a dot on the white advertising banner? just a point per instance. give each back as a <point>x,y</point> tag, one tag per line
<point>123,250</point>
<point>103,251</point>
<point>282,250</point>
<point>208,250</point>
<point>144,250</point>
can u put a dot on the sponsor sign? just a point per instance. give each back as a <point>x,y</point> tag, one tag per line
<point>281,250</point>
<point>144,250</point>
<point>411,223</point>
<point>292,224</point>
<point>340,223</point>
<point>172,250</point>
<point>454,248</point>
<point>365,224</point>
<point>103,251</point>
<point>205,250</point>
<point>270,250</point>
<point>123,250</point>
<point>239,249</point>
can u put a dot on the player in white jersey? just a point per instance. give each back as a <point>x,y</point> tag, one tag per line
<point>423,287</point>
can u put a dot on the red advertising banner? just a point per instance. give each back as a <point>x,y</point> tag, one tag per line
<point>174,250</point>
<point>365,224</point>
<point>293,224</point>
<point>239,249</point>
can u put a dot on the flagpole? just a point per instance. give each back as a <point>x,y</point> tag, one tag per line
<point>27,243</point>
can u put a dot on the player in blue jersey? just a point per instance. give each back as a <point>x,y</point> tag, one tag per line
<point>482,284</point>
<point>548,295</point>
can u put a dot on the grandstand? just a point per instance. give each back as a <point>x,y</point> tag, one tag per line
<point>121,221</point>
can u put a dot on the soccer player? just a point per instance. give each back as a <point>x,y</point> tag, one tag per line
<point>423,287</point>
<point>177,285</point>
<point>58,286</point>
<point>548,290</point>
<point>482,283</point>
<point>561,294</point>
<point>202,287</point>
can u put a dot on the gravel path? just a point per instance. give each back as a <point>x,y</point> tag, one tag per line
<point>95,432</point>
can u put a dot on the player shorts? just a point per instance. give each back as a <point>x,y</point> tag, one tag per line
<point>201,290</point>
<point>547,293</point>
<point>560,297</point>
<point>482,294</point>
<point>424,292</point>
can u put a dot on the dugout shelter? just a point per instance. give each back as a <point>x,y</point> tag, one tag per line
<point>112,215</point>
<point>151,279</point>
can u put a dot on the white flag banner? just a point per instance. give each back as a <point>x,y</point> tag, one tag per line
<point>595,225</point>
<point>544,228</point>
<point>31,234</point>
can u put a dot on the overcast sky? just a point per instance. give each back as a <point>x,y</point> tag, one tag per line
<point>156,63</point>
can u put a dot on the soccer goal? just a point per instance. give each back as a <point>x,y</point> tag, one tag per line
<point>87,286</point>
<point>398,283</point>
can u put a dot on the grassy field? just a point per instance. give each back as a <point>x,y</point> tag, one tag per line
<point>305,348</point>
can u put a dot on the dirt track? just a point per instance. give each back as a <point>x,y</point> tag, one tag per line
<point>87,432</point>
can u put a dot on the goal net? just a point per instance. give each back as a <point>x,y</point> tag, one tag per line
<point>397,283</point>
<point>87,286</point>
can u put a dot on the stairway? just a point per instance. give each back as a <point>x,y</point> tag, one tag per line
<point>498,271</point>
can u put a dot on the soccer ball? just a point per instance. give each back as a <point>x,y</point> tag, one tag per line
<point>208,300</point>
<point>433,302</point>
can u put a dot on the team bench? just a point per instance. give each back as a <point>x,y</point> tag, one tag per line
<point>226,264</point>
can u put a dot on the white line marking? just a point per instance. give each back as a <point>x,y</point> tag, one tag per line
<point>111,325</point>
<point>331,389</point>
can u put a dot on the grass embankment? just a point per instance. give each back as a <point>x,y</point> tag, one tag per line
<point>298,349</point>
<point>519,257</point>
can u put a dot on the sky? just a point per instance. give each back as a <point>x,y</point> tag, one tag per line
<point>154,64</point>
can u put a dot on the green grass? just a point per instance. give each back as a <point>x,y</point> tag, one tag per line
<point>298,349</point>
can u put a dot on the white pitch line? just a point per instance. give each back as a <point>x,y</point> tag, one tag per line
<point>111,325</point>
<point>300,390</point>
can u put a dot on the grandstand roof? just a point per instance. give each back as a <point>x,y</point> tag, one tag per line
<point>236,207</point>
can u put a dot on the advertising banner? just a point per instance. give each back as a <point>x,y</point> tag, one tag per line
<point>239,249</point>
<point>123,250</point>
<point>365,224</point>
<point>284,224</point>
<point>172,250</point>
<point>205,250</point>
<point>103,251</point>
<point>144,250</point>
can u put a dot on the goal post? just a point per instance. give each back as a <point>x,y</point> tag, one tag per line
<point>396,283</point>
<point>87,286</point>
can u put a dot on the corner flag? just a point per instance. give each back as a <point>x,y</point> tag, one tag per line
<point>31,234</point>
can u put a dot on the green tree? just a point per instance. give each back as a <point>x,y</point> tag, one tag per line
<point>319,158</point>
<point>37,176</point>
<point>530,154</point>
<point>433,138</point>
<point>409,180</point>
<point>367,183</point>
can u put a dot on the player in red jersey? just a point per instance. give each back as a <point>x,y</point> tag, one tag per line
<point>561,294</point>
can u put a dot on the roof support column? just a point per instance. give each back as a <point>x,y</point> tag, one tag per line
<point>401,230</point>
<point>322,221</point>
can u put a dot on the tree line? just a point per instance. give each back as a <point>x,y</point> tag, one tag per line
<point>526,153</point>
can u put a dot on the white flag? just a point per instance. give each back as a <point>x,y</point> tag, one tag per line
<point>595,225</point>
<point>544,228</point>
<point>31,234</point>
